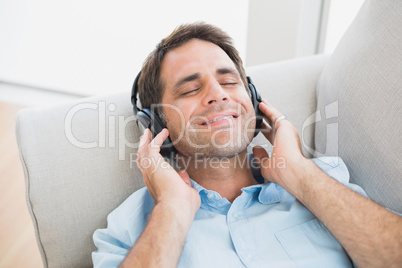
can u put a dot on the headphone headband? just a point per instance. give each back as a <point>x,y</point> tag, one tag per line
<point>134,92</point>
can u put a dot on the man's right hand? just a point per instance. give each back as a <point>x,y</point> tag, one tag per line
<point>176,202</point>
<point>166,186</point>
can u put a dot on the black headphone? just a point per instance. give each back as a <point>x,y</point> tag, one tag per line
<point>149,119</point>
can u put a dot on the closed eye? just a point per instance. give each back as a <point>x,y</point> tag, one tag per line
<point>229,84</point>
<point>189,92</point>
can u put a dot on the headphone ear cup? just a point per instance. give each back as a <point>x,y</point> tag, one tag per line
<point>147,119</point>
<point>143,119</point>
<point>255,99</point>
<point>167,149</point>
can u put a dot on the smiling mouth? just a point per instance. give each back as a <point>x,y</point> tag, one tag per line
<point>219,119</point>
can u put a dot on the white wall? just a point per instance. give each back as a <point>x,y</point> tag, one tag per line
<point>92,47</point>
<point>282,29</point>
<point>285,29</point>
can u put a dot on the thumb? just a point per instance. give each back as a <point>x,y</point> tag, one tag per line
<point>262,159</point>
<point>184,176</point>
<point>260,154</point>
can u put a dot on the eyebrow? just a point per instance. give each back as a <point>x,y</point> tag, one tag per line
<point>232,71</point>
<point>186,80</point>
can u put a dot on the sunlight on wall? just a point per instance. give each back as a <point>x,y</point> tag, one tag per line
<point>341,15</point>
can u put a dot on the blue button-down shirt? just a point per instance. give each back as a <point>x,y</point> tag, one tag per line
<point>264,227</point>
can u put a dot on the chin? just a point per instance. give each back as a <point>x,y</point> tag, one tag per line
<point>211,151</point>
<point>222,144</point>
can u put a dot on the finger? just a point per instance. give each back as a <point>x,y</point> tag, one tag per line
<point>268,132</point>
<point>259,153</point>
<point>142,147</point>
<point>160,138</point>
<point>184,176</point>
<point>275,117</point>
<point>142,162</point>
<point>144,138</point>
<point>148,135</point>
<point>264,162</point>
<point>270,112</point>
<point>262,159</point>
<point>268,120</point>
<point>270,106</point>
<point>142,150</point>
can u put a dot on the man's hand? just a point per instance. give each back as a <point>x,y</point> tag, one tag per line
<point>165,185</point>
<point>161,242</point>
<point>287,158</point>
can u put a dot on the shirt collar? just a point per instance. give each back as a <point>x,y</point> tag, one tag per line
<point>268,193</point>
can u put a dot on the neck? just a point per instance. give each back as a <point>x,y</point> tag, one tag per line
<point>226,176</point>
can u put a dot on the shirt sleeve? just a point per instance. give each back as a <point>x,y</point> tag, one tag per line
<point>337,169</point>
<point>124,225</point>
<point>111,249</point>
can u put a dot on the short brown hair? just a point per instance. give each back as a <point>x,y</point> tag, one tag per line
<point>150,86</point>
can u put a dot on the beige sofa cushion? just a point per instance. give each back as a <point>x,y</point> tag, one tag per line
<point>71,189</point>
<point>361,88</point>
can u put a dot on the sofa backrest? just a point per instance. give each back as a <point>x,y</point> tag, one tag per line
<point>360,96</point>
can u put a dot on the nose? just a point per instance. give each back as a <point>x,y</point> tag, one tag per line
<point>215,93</point>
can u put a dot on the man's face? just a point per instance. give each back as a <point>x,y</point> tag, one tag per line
<point>206,104</point>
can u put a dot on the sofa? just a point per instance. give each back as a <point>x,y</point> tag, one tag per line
<point>79,157</point>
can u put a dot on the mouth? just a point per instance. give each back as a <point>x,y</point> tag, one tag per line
<point>220,118</point>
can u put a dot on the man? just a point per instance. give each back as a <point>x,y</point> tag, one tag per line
<point>223,216</point>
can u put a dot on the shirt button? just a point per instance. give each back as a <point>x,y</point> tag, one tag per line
<point>210,195</point>
<point>236,215</point>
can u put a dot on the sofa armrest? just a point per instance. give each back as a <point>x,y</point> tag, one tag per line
<point>79,163</point>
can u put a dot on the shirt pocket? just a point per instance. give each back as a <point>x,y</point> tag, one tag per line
<point>310,244</point>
